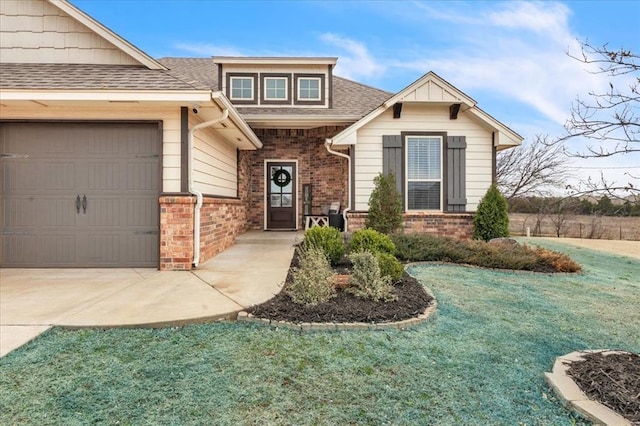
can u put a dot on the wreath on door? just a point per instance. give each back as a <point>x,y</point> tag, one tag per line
<point>282,178</point>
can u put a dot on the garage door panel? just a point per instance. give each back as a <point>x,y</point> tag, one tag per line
<point>23,248</point>
<point>18,176</point>
<point>55,212</point>
<point>142,247</point>
<point>58,176</point>
<point>139,210</point>
<point>114,165</point>
<point>140,174</point>
<point>105,176</point>
<point>104,212</point>
<point>20,212</point>
<point>56,249</point>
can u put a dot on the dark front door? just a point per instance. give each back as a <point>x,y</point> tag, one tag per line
<point>281,195</point>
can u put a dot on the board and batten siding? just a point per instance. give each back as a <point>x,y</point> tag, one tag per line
<point>38,32</point>
<point>416,118</point>
<point>215,168</point>
<point>170,118</point>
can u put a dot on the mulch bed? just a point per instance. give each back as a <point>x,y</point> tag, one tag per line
<point>613,380</point>
<point>345,307</point>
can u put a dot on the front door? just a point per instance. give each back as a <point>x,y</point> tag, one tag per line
<point>281,195</point>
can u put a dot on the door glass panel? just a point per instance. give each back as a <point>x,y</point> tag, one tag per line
<point>287,200</point>
<point>276,200</point>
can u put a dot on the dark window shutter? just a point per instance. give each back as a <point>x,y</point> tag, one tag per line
<point>392,159</point>
<point>456,174</point>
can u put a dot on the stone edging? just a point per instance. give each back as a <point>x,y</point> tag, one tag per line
<point>574,398</point>
<point>244,316</point>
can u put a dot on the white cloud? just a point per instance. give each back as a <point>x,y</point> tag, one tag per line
<point>357,61</point>
<point>517,50</point>
<point>203,49</point>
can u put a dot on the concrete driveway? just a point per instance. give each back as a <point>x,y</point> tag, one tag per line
<point>248,273</point>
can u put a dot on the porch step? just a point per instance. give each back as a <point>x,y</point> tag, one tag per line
<point>271,238</point>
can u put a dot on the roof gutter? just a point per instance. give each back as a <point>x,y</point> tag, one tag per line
<point>192,190</point>
<point>327,145</point>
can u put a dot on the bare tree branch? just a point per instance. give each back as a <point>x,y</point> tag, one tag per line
<point>611,119</point>
<point>534,168</point>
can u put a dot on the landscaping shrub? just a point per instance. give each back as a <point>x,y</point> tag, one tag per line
<point>491,219</point>
<point>372,241</point>
<point>414,248</point>
<point>328,240</point>
<point>366,280</point>
<point>497,254</point>
<point>560,262</point>
<point>385,205</point>
<point>501,256</point>
<point>390,266</point>
<point>313,281</point>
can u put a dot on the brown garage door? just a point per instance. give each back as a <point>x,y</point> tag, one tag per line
<point>79,194</point>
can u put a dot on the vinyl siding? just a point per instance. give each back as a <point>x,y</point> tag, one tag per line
<point>170,118</point>
<point>38,32</point>
<point>428,118</point>
<point>215,169</point>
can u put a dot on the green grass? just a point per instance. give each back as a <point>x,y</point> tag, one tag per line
<point>479,361</point>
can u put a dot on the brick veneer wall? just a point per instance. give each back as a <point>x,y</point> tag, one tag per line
<point>456,225</point>
<point>327,173</point>
<point>221,221</point>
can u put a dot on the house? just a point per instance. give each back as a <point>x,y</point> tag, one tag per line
<point>111,158</point>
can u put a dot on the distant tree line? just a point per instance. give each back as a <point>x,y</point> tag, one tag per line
<point>573,205</point>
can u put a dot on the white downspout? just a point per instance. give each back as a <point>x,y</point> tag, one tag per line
<point>198,194</point>
<point>327,145</point>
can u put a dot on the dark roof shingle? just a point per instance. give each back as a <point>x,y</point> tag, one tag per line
<point>87,76</point>
<point>350,98</point>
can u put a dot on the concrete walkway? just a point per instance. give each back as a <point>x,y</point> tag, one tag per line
<point>248,273</point>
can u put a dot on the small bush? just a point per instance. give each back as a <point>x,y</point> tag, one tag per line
<point>313,282</point>
<point>501,256</point>
<point>390,266</point>
<point>415,248</point>
<point>366,280</point>
<point>385,205</point>
<point>496,254</point>
<point>328,240</point>
<point>491,219</point>
<point>559,262</point>
<point>372,241</point>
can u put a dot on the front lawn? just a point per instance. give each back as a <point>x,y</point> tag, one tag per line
<point>478,361</point>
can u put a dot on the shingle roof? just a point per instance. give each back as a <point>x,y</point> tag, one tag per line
<point>349,97</point>
<point>88,76</point>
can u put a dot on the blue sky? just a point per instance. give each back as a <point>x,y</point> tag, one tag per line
<point>508,56</point>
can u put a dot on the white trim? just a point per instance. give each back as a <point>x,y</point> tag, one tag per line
<point>406,168</point>
<point>264,88</point>
<point>265,191</point>
<point>242,77</point>
<point>300,98</point>
<point>107,34</point>
<point>106,95</point>
<point>349,135</point>
<point>274,60</point>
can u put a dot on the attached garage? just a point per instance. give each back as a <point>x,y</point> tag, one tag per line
<point>80,194</point>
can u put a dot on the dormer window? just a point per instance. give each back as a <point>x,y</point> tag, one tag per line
<point>309,89</point>
<point>276,88</point>
<point>241,88</point>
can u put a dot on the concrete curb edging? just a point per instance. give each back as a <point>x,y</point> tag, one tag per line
<point>571,395</point>
<point>244,316</point>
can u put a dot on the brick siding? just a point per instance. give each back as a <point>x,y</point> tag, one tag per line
<point>221,221</point>
<point>327,173</point>
<point>456,225</point>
